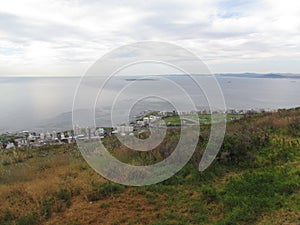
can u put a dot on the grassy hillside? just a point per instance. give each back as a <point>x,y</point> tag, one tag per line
<point>254,180</point>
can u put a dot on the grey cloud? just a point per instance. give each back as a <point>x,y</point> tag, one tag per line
<point>171,20</point>
<point>162,26</point>
<point>22,28</point>
<point>165,26</point>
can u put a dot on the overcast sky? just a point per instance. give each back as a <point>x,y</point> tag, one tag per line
<point>64,37</point>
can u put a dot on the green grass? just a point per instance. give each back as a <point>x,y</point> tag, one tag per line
<point>27,220</point>
<point>255,192</point>
<point>102,191</point>
<point>10,137</point>
<point>203,118</point>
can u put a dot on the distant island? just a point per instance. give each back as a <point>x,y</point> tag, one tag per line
<point>259,75</point>
<point>239,75</point>
<point>140,79</point>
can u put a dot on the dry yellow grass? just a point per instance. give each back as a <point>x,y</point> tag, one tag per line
<point>24,185</point>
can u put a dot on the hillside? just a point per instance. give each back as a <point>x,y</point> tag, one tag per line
<point>254,180</point>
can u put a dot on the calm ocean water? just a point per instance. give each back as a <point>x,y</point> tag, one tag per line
<point>45,103</point>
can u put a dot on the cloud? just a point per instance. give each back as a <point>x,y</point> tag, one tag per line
<point>66,36</point>
<point>14,26</point>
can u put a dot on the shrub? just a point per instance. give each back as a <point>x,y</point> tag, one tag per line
<point>65,196</point>
<point>27,220</point>
<point>240,148</point>
<point>6,217</point>
<point>209,194</point>
<point>103,190</point>
<point>245,198</point>
<point>45,207</point>
<point>189,174</point>
<point>104,205</point>
<point>294,128</point>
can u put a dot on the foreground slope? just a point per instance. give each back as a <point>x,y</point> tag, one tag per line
<point>254,180</point>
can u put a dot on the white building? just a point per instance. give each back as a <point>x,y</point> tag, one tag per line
<point>10,145</point>
<point>152,118</point>
<point>54,135</point>
<point>31,138</point>
<point>100,131</point>
<point>48,135</point>
<point>124,129</point>
<point>140,122</point>
<point>146,120</point>
<point>21,142</point>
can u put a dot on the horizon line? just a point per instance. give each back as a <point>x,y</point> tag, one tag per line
<point>164,74</point>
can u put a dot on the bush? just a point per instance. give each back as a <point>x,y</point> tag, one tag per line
<point>46,207</point>
<point>245,198</point>
<point>101,191</point>
<point>104,205</point>
<point>240,148</point>
<point>27,220</point>
<point>6,217</point>
<point>294,128</point>
<point>65,196</point>
<point>209,194</point>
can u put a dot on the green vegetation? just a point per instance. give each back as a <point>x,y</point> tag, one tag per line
<point>104,190</point>
<point>255,179</point>
<point>254,193</point>
<point>204,119</point>
<point>27,220</point>
<point>9,137</point>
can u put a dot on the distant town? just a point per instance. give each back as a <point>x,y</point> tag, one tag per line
<point>9,140</point>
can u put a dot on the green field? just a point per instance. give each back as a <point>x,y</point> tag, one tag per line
<point>202,118</point>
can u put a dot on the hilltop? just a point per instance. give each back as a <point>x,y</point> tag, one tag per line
<point>255,179</point>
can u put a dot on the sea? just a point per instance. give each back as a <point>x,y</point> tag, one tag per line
<point>40,103</point>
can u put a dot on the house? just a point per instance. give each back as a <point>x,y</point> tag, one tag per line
<point>10,145</point>
<point>99,131</point>
<point>48,136</point>
<point>124,129</point>
<point>20,142</point>
<point>146,120</point>
<point>31,138</point>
